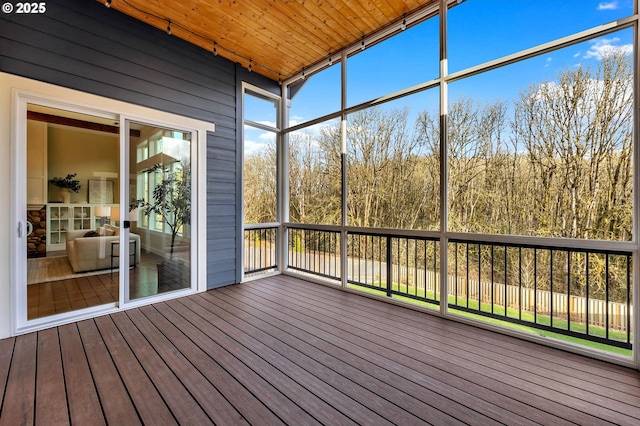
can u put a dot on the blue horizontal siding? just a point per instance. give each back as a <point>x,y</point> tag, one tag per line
<point>84,46</point>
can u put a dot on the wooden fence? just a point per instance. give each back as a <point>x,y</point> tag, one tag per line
<point>580,308</point>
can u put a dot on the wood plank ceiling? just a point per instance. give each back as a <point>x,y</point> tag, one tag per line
<point>278,38</point>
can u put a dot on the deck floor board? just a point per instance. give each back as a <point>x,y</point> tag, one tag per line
<point>286,386</point>
<point>182,355</point>
<point>110,384</point>
<point>19,397</point>
<point>438,364</point>
<point>338,391</point>
<point>385,400</point>
<point>242,385</point>
<point>177,397</point>
<point>82,396</point>
<point>406,341</point>
<point>6,355</point>
<point>135,383</point>
<point>51,404</point>
<point>281,350</point>
<point>372,367</point>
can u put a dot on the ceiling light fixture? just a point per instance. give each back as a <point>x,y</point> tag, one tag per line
<point>107,4</point>
<point>215,49</point>
<point>303,76</point>
<point>404,23</point>
<point>250,65</point>
<point>362,44</point>
<point>169,27</point>
<point>330,60</point>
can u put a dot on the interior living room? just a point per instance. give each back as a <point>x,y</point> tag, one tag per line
<point>73,211</point>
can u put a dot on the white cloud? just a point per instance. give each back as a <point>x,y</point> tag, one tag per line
<point>577,54</point>
<point>296,119</point>
<point>313,130</point>
<point>589,99</point>
<point>253,147</point>
<point>267,123</point>
<point>606,45</point>
<point>611,5</point>
<point>256,140</point>
<point>267,136</point>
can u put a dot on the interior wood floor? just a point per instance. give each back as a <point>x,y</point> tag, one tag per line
<point>285,351</point>
<point>55,297</point>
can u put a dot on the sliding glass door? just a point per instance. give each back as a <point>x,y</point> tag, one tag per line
<point>159,210</point>
<point>100,200</point>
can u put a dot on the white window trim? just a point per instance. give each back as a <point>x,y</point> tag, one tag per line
<point>280,198</point>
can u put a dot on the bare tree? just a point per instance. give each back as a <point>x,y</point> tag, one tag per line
<point>390,180</point>
<point>479,165</point>
<point>260,186</point>
<point>577,134</point>
<point>314,177</point>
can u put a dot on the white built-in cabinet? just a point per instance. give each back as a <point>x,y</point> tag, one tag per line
<point>64,217</point>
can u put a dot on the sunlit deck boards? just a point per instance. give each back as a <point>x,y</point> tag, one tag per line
<point>281,350</point>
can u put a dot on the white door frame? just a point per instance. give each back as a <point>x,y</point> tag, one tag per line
<point>71,100</point>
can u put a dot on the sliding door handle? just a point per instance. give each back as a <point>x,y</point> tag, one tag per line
<point>21,229</point>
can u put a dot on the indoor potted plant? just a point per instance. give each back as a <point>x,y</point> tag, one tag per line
<point>171,198</point>
<point>66,185</point>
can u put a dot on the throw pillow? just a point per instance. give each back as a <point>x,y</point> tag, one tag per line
<point>92,234</point>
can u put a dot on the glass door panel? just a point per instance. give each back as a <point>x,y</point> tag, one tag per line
<point>159,212</point>
<point>69,238</point>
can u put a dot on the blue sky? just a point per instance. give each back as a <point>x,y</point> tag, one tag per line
<point>478,31</point>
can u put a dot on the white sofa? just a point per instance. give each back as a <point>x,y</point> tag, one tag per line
<point>90,253</point>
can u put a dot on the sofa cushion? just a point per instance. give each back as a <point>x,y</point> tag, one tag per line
<point>110,228</point>
<point>106,231</point>
<point>90,254</point>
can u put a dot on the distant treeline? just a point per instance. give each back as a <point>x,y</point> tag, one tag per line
<point>555,162</point>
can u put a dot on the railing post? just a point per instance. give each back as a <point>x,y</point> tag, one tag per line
<point>282,256</point>
<point>389,265</point>
<point>344,257</point>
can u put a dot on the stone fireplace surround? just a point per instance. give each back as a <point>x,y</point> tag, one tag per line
<point>37,239</point>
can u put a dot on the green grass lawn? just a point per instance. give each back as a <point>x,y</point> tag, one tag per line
<point>513,313</point>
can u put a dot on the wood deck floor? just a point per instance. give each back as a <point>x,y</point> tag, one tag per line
<point>283,351</point>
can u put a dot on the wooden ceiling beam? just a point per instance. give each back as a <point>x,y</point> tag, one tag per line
<point>72,122</point>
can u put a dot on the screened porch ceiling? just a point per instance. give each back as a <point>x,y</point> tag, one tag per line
<point>279,38</point>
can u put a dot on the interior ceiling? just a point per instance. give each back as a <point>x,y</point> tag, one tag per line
<point>279,38</point>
